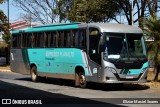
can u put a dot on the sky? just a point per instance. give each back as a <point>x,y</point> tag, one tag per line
<point>14,12</point>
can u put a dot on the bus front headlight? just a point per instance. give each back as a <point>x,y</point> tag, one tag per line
<point>111,70</point>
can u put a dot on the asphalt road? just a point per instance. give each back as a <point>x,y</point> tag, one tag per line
<point>62,92</point>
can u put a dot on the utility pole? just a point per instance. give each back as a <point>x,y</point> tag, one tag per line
<point>132,11</point>
<point>7,49</point>
<point>30,19</point>
<point>8,14</point>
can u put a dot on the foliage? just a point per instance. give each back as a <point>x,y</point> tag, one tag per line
<point>63,7</point>
<point>53,11</point>
<point>141,8</point>
<point>93,10</point>
<point>2,1</point>
<point>151,26</point>
<point>4,26</point>
<point>44,11</point>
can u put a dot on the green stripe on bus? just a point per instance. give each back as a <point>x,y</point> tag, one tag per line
<point>134,71</point>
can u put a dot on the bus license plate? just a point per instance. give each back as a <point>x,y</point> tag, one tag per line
<point>129,77</point>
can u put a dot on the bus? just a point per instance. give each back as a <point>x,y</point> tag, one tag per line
<point>82,52</point>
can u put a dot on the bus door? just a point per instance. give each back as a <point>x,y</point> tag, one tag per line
<point>94,54</point>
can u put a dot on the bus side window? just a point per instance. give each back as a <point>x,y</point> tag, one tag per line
<point>39,38</point>
<point>33,40</point>
<point>67,39</point>
<point>75,38</point>
<point>61,39</point>
<point>26,41</point>
<point>79,38</point>
<point>29,39</point>
<point>42,42</point>
<point>71,38</point>
<point>16,41</point>
<point>46,39</point>
<point>82,38</point>
<point>52,39</point>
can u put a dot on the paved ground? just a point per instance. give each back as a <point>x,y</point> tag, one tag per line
<point>53,91</point>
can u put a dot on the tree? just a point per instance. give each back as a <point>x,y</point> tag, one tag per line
<point>4,26</point>
<point>62,9</point>
<point>3,19</point>
<point>93,10</point>
<point>141,9</point>
<point>50,11</point>
<point>1,1</point>
<point>151,26</point>
<point>45,11</point>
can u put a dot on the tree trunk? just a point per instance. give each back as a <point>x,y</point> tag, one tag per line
<point>157,72</point>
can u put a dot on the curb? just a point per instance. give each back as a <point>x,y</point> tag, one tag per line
<point>5,70</point>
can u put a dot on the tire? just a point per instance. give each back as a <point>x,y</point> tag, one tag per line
<point>82,80</point>
<point>34,76</point>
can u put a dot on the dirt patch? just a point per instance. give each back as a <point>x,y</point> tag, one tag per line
<point>151,75</point>
<point>150,83</point>
<point>153,85</point>
<point>5,68</point>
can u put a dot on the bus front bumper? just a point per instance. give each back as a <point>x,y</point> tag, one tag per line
<point>124,78</point>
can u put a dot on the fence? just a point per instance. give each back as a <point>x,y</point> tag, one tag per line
<point>4,56</point>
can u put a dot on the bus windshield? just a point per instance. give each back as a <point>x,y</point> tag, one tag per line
<point>118,46</point>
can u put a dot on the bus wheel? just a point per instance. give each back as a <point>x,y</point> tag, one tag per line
<point>82,80</point>
<point>34,76</point>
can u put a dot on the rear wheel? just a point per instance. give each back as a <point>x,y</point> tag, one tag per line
<point>34,76</point>
<point>82,80</point>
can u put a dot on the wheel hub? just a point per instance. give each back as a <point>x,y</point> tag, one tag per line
<point>82,79</point>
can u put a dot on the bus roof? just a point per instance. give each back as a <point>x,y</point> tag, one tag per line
<point>116,28</point>
<point>57,24</point>
<point>49,27</point>
<point>103,27</point>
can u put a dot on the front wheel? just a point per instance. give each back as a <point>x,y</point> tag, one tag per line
<point>34,76</point>
<point>82,80</point>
